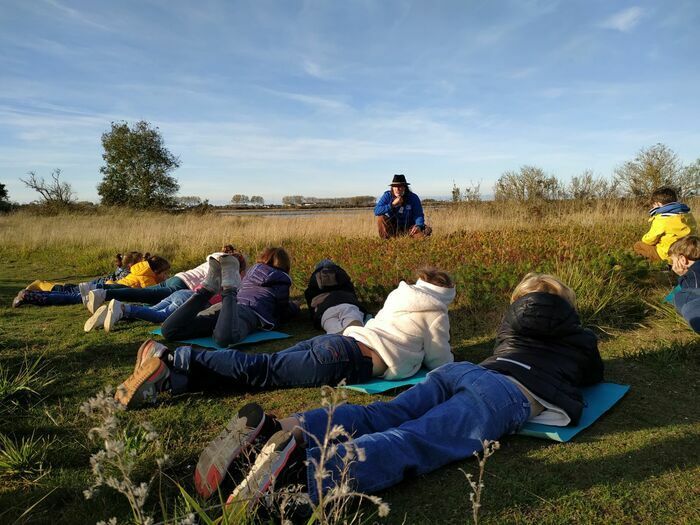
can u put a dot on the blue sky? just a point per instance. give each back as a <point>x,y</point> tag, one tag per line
<point>330,98</point>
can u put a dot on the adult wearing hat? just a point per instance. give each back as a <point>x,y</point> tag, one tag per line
<point>399,211</point>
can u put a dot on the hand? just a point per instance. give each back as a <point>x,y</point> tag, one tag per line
<point>415,229</point>
<point>398,201</point>
<point>678,267</point>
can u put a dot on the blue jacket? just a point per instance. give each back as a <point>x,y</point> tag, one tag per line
<point>407,215</point>
<point>266,290</point>
<point>687,299</point>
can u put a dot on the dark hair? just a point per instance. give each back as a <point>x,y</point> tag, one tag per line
<point>275,257</point>
<point>688,246</point>
<point>118,259</point>
<point>229,248</point>
<point>664,195</point>
<point>158,264</point>
<point>132,258</point>
<point>434,276</point>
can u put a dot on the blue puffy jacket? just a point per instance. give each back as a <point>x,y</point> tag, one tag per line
<point>407,215</point>
<point>266,290</point>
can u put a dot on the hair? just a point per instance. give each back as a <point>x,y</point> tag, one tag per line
<point>131,258</point>
<point>118,260</point>
<point>664,195</point>
<point>432,275</point>
<point>543,282</point>
<point>229,248</point>
<point>275,257</point>
<point>687,246</point>
<point>158,264</point>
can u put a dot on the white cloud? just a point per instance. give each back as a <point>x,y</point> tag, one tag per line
<point>624,20</point>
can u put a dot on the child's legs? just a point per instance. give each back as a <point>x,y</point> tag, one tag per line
<point>485,406</point>
<point>691,313</point>
<point>145,313</point>
<point>185,323</point>
<point>647,251</point>
<point>149,295</point>
<point>235,321</point>
<point>51,298</point>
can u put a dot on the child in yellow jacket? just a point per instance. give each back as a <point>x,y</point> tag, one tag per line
<point>152,271</point>
<point>670,220</point>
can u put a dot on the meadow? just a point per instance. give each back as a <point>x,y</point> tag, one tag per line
<point>639,464</point>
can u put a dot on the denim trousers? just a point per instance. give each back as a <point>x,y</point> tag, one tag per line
<point>323,360</point>
<point>158,312</point>
<point>687,303</point>
<point>443,419</point>
<point>148,295</point>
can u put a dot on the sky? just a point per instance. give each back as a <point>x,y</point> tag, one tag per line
<point>331,98</point>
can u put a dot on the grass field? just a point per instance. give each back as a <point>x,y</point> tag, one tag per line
<point>639,464</point>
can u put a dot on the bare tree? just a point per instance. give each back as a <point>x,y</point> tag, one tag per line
<point>53,192</point>
<point>589,187</point>
<point>653,167</point>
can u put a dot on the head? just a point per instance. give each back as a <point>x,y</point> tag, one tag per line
<point>432,275</point>
<point>684,252</point>
<point>131,258</point>
<point>542,282</point>
<point>159,266</point>
<point>662,196</point>
<point>399,186</point>
<point>275,257</point>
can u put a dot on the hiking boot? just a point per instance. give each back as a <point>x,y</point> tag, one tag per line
<point>150,348</point>
<point>230,271</point>
<point>249,424</point>
<point>95,298</point>
<point>115,311</point>
<point>280,453</point>
<point>19,299</point>
<point>143,386</point>
<point>212,281</point>
<point>96,320</point>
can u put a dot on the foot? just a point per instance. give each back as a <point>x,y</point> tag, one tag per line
<point>84,289</point>
<point>249,424</point>
<point>143,386</point>
<point>115,311</point>
<point>96,320</point>
<point>212,281</point>
<point>19,299</point>
<point>95,299</point>
<point>150,348</point>
<point>230,272</point>
<point>280,459</point>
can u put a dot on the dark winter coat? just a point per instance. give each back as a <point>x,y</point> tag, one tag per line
<point>329,286</point>
<point>542,344</point>
<point>266,290</point>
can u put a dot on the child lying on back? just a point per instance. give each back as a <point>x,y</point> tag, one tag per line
<point>684,256</point>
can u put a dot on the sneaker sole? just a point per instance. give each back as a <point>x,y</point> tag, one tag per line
<point>140,354</point>
<point>96,319</point>
<point>127,392</point>
<point>264,472</point>
<point>217,457</point>
<point>113,316</point>
<point>94,302</point>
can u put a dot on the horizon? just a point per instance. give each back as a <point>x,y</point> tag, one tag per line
<point>330,100</point>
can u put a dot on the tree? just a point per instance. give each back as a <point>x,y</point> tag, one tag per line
<point>136,169</point>
<point>587,187</point>
<point>257,200</point>
<point>5,204</point>
<point>240,199</point>
<point>528,184</point>
<point>692,174</point>
<point>54,192</point>
<point>653,167</point>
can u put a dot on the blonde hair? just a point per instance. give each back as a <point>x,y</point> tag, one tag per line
<point>687,246</point>
<point>543,282</point>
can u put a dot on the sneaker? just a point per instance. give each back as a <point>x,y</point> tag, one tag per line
<point>115,311</point>
<point>149,348</point>
<point>280,452</point>
<point>19,299</point>
<point>143,386</point>
<point>95,299</point>
<point>212,281</point>
<point>230,271</point>
<point>84,289</point>
<point>96,320</point>
<point>214,462</point>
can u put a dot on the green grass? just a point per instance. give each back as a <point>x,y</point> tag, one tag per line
<point>639,464</point>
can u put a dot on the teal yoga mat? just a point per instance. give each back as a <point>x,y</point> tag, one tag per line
<point>598,398</point>
<point>255,337</point>
<point>377,386</point>
<point>669,297</point>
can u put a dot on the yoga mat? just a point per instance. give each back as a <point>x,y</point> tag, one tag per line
<point>669,297</point>
<point>255,337</point>
<point>377,386</point>
<point>598,398</point>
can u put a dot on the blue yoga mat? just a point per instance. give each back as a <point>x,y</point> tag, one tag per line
<point>669,297</point>
<point>598,398</point>
<point>255,337</point>
<point>377,386</point>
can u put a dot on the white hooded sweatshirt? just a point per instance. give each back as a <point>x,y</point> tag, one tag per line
<point>412,329</point>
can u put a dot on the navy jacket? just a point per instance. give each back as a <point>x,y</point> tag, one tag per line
<point>329,286</point>
<point>542,344</point>
<point>407,215</point>
<point>266,290</point>
<point>687,299</point>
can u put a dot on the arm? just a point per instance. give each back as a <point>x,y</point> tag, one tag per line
<point>437,343</point>
<point>654,234</point>
<point>383,205</point>
<point>418,215</point>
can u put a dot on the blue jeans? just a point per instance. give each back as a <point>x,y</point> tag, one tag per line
<point>159,312</point>
<point>687,303</point>
<point>323,360</point>
<point>443,419</point>
<point>149,295</point>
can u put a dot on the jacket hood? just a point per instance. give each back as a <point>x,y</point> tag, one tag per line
<point>672,208</point>
<point>141,268</point>
<point>420,297</point>
<point>542,314</point>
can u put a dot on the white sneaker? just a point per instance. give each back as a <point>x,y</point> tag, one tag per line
<point>230,272</point>
<point>84,289</point>
<point>97,319</point>
<point>95,299</point>
<point>115,311</point>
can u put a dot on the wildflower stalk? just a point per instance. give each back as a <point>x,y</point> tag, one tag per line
<point>477,487</point>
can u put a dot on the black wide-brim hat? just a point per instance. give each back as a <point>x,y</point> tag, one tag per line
<point>399,180</point>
